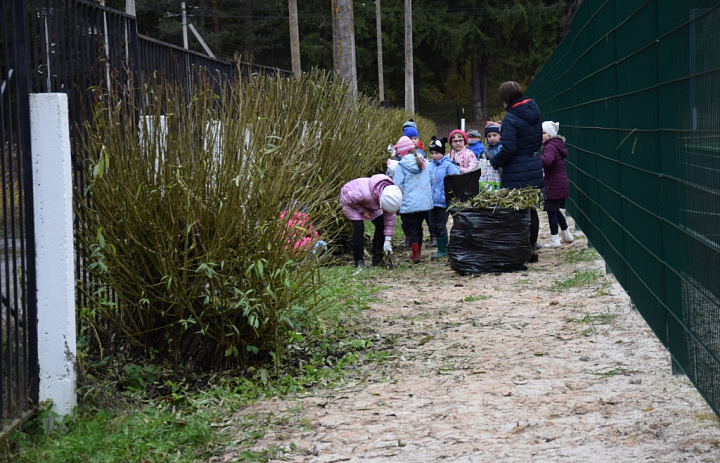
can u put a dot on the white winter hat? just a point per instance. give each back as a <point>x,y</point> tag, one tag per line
<point>551,128</point>
<point>391,198</point>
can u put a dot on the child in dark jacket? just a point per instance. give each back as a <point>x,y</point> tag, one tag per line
<point>557,186</point>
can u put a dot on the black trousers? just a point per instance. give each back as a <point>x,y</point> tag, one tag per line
<point>438,222</point>
<point>358,240</point>
<point>413,222</point>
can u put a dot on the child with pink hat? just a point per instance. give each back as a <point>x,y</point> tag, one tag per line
<point>463,157</point>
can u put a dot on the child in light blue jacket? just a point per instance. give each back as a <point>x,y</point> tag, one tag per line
<point>441,166</point>
<point>413,177</point>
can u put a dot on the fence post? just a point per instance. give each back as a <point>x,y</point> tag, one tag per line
<point>52,184</point>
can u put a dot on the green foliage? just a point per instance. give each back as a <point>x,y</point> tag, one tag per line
<point>477,298</point>
<point>574,256</point>
<point>579,278</point>
<point>160,431</point>
<point>11,212</point>
<point>591,319</point>
<point>138,377</point>
<point>515,37</point>
<point>516,199</point>
<point>172,417</point>
<point>180,225</point>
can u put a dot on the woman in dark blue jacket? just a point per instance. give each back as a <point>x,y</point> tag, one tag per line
<point>519,157</point>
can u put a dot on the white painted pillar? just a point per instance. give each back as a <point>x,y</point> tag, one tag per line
<point>52,183</point>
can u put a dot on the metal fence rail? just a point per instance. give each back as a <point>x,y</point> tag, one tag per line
<point>636,88</point>
<point>89,52</point>
<point>185,67</point>
<point>18,305</point>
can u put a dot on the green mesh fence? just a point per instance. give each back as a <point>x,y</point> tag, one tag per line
<point>635,86</point>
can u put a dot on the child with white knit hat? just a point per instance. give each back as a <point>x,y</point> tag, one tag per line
<point>557,186</point>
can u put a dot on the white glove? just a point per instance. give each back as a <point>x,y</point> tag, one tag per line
<point>387,247</point>
<point>320,246</point>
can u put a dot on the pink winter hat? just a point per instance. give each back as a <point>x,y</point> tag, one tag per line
<point>464,135</point>
<point>404,145</point>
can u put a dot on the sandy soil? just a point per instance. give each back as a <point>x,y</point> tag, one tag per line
<point>498,368</point>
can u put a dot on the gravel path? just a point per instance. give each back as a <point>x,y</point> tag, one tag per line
<point>505,367</point>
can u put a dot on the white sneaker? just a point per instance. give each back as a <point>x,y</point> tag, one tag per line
<point>566,236</point>
<point>554,242</point>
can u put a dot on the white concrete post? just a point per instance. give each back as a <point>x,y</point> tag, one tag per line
<point>52,178</point>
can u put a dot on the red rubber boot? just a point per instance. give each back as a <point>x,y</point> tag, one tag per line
<point>415,256</point>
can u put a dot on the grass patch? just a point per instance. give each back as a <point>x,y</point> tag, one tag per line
<point>476,298</point>
<point>182,428</point>
<point>591,319</point>
<point>612,371</point>
<point>166,418</point>
<point>706,416</point>
<point>579,278</point>
<point>576,256</point>
<point>597,318</point>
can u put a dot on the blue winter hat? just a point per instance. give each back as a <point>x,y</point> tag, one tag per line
<point>491,128</point>
<point>410,123</point>
<point>410,132</point>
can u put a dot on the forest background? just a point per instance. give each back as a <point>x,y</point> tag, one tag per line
<point>461,48</point>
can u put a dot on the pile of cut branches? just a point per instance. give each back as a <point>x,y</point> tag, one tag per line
<point>516,199</point>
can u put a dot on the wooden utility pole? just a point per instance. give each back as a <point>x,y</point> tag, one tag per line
<point>409,86</point>
<point>294,37</point>
<point>381,83</point>
<point>344,43</point>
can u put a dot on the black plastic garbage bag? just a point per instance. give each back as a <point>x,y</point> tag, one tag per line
<point>489,240</point>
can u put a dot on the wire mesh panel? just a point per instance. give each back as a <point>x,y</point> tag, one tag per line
<point>636,88</point>
<point>18,330</point>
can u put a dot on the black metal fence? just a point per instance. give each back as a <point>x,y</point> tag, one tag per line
<point>18,307</point>
<point>88,52</point>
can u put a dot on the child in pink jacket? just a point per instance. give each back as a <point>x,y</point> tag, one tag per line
<point>301,236</point>
<point>376,199</point>
<point>463,157</point>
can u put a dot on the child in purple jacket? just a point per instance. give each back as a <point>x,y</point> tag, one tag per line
<point>557,186</point>
<point>376,199</point>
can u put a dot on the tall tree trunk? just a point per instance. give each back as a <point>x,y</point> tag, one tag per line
<point>294,37</point>
<point>344,43</point>
<point>381,82</point>
<point>249,31</point>
<point>484,86</point>
<point>477,97</point>
<point>216,27</point>
<point>409,85</point>
<point>216,19</point>
<point>479,66</point>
